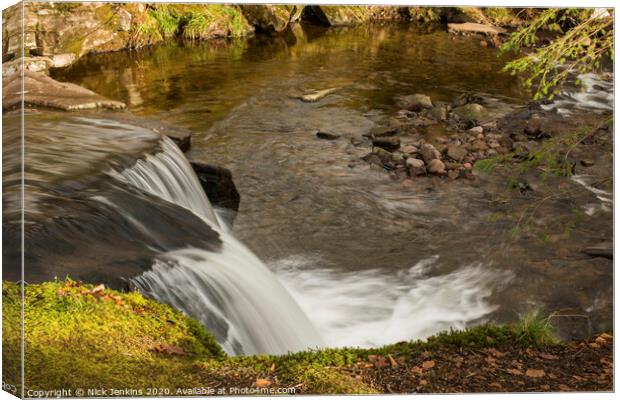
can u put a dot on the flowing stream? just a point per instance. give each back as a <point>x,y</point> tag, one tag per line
<point>324,251</point>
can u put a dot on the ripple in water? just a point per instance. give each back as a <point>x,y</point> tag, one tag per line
<point>374,308</point>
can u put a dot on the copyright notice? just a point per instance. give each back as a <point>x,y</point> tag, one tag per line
<point>152,392</point>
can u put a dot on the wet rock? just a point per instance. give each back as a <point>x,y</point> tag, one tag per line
<point>429,153</point>
<point>436,166</point>
<point>476,130</point>
<point>440,113</point>
<point>327,135</point>
<point>43,91</point>
<point>383,132</point>
<point>373,159</point>
<point>587,163</point>
<point>605,250</point>
<point>218,184</point>
<point>409,149</point>
<point>452,165</point>
<point>470,27</point>
<point>268,18</point>
<point>477,145</point>
<point>63,60</point>
<point>471,112</point>
<point>414,102</point>
<point>453,174</point>
<point>415,166</point>
<point>387,143</point>
<point>466,98</point>
<point>455,152</point>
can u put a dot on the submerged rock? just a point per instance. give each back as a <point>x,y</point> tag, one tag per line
<point>387,143</point>
<point>327,135</point>
<point>414,102</point>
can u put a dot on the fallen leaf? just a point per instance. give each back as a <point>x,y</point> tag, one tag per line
<point>417,370</point>
<point>514,371</point>
<point>545,387</point>
<point>98,288</point>
<point>564,388</point>
<point>600,340</point>
<point>549,356</point>
<point>392,361</point>
<point>273,367</point>
<point>606,336</point>
<point>262,383</point>
<point>496,353</point>
<point>426,354</point>
<point>594,345</point>
<point>423,381</point>
<point>535,373</point>
<point>428,364</point>
<point>496,385</point>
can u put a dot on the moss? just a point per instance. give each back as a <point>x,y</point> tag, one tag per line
<point>102,338</point>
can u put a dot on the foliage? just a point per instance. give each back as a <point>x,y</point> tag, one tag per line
<point>96,337</point>
<point>425,14</point>
<point>582,40</point>
<point>535,329</point>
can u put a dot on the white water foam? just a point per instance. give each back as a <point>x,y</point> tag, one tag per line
<point>168,175</point>
<point>596,93</point>
<point>605,198</point>
<point>230,291</point>
<point>374,308</point>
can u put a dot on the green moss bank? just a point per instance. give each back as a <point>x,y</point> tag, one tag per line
<point>84,336</point>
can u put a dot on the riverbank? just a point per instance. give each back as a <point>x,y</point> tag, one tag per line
<point>56,35</point>
<point>129,342</point>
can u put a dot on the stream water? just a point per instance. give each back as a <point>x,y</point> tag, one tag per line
<point>368,261</point>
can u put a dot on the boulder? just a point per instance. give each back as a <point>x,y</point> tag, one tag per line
<point>429,153</point>
<point>218,184</point>
<point>436,166</point>
<point>471,112</point>
<point>43,91</point>
<point>457,153</point>
<point>32,64</point>
<point>414,102</point>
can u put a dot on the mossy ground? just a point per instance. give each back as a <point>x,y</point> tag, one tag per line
<point>84,336</point>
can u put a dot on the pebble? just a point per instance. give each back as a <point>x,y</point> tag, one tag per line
<point>476,130</point>
<point>436,166</point>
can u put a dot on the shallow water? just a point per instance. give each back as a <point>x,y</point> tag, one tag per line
<point>345,240</point>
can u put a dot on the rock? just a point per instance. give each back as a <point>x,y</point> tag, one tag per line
<point>383,132</point>
<point>573,326</point>
<point>43,91</point>
<point>415,166</point>
<point>440,113</point>
<point>471,112</point>
<point>409,149</point>
<point>414,102</point>
<point>477,145</point>
<point>327,135</point>
<point>373,159</point>
<point>33,64</point>
<point>470,27</point>
<point>506,142</point>
<point>218,184</point>
<point>457,153</point>
<point>467,165</point>
<point>476,130</point>
<point>314,96</point>
<point>453,174</point>
<point>335,15</point>
<point>605,250</point>
<point>587,163</point>
<point>429,153</point>
<point>268,18</point>
<point>387,143</point>
<point>62,60</point>
<point>436,166</point>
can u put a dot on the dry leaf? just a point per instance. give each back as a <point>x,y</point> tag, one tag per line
<point>417,370</point>
<point>428,364</point>
<point>263,383</point>
<point>564,388</point>
<point>549,356</point>
<point>423,381</point>
<point>514,371</point>
<point>392,361</point>
<point>168,349</point>
<point>606,336</point>
<point>535,373</point>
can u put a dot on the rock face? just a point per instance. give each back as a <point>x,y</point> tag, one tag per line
<point>43,91</point>
<point>270,18</point>
<point>218,184</point>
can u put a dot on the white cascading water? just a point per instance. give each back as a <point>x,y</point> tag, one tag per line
<point>374,308</point>
<point>231,285</point>
<point>250,310</point>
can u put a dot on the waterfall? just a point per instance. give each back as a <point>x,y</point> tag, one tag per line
<point>231,291</point>
<point>168,175</point>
